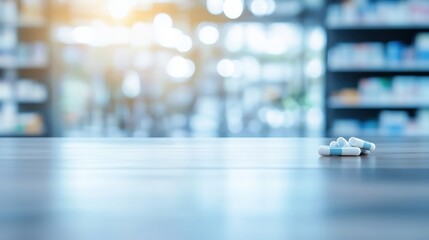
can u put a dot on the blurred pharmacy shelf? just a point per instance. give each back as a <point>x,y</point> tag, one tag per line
<point>335,105</point>
<point>377,68</point>
<point>396,122</point>
<point>25,102</point>
<point>357,27</point>
<point>378,12</point>
<point>190,68</point>
<point>387,69</point>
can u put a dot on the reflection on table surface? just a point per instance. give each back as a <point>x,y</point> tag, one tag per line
<point>211,189</point>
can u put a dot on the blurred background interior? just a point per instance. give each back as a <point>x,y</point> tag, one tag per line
<point>214,68</point>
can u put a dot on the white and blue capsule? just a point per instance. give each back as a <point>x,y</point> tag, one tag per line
<point>365,152</point>
<point>342,142</point>
<point>333,144</point>
<point>357,142</point>
<point>339,151</point>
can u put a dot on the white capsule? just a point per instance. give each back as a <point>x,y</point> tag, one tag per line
<point>333,144</point>
<point>365,152</point>
<point>342,142</point>
<point>338,151</point>
<point>357,142</point>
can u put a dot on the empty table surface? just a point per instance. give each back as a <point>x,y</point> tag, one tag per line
<point>211,189</point>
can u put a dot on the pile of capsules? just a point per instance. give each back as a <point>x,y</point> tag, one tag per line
<point>354,147</point>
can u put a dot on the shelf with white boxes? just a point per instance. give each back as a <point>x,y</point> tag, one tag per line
<point>25,86</point>
<point>361,133</point>
<point>376,26</point>
<point>377,72</point>
<point>379,13</point>
<point>391,69</point>
<point>336,105</point>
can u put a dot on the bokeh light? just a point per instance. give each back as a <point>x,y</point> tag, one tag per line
<point>131,84</point>
<point>316,40</point>
<point>234,40</point>
<point>243,55</point>
<point>256,38</point>
<point>169,37</point>
<point>180,68</point>
<point>262,7</point>
<point>314,68</point>
<point>208,33</point>
<point>162,21</point>
<point>233,8</point>
<point>214,7</point>
<point>83,34</point>
<point>226,68</point>
<point>119,9</point>
<point>184,44</point>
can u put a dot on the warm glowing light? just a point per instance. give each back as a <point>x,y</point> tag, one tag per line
<point>208,34</point>
<point>64,35</point>
<point>233,8</point>
<point>168,37</point>
<point>162,21</point>
<point>180,68</point>
<point>214,7</point>
<point>184,44</point>
<point>83,34</point>
<point>131,84</point>
<point>141,34</point>
<point>226,68</point>
<point>102,33</point>
<point>121,35</point>
<point>119,9</point>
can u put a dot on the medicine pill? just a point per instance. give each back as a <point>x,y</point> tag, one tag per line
<point>357,142</point>
<point>333,144</point>
<point>365,152</point>
<point>342,142</point>
<point>339,151</point>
